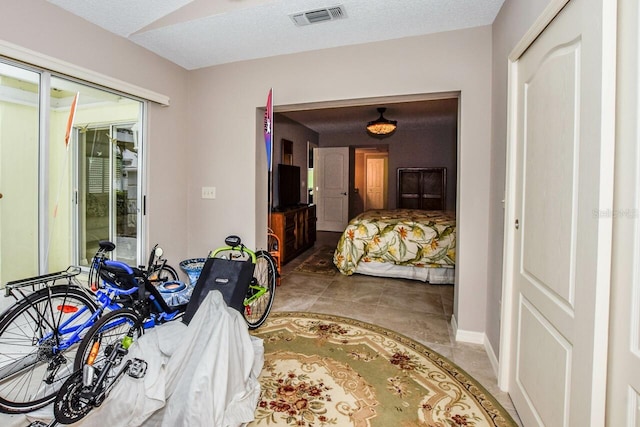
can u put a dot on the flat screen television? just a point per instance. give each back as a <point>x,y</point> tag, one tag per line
<point>288,185</point>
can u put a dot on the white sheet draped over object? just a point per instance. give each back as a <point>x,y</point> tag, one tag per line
<point>205,374</point>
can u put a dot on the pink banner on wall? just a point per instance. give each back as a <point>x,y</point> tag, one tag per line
<point>268,129</point>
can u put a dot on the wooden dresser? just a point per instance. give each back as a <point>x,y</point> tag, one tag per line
<point>296,229</point>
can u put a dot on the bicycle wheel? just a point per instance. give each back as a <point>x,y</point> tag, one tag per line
<point>32,368</point>
<point>265,275</point>
<point>110,329</point>
<point>163,274</point>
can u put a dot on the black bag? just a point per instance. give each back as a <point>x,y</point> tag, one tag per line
<point>231,278</point>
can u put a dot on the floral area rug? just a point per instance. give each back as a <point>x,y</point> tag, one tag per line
<point>320,262</point>
<point>324,370</point>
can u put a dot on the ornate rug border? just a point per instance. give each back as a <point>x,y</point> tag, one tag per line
<point>466,381</point>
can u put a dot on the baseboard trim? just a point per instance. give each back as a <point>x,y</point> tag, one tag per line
<point>492,356</point>
<point>475,338</point>
<point>466,336</point>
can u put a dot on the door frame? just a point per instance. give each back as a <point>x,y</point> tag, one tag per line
<point>624,369</point>
<point>507,312</point>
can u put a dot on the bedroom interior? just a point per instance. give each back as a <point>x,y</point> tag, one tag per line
<point>417,168</point>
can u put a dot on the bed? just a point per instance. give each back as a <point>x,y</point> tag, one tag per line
<point>401,243</point>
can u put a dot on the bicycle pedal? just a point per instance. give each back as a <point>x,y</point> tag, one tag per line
<point>137,368</point>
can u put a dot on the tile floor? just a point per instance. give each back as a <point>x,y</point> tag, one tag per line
<point>415,309</point>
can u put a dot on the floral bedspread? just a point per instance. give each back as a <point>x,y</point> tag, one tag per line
<point>402,236</point>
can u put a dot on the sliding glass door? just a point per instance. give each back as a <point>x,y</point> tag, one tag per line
<point>97,198</point>
<point>103,166</point>
<point>62,192</point>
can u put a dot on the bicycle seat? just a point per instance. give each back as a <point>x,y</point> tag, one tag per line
<point>233,241</point>
<point>106,245</point>
<point>118,274</point>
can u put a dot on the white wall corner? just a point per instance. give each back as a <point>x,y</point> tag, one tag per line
<point>467,336</point>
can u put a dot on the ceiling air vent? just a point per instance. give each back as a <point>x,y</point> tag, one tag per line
<point>319,15</point>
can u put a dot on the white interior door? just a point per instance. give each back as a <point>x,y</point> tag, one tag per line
<point>332,188</point>
<point>376,182</point>
<point>561,246</point>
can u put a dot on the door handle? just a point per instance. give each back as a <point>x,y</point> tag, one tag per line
<point>344,194</point>
<point>517,224</point>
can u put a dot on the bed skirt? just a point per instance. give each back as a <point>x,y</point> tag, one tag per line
<point>433,275</point>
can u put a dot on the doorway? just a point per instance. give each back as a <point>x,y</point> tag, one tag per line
<point>376,182</point>
<point>427,136</point>
<point>310,167</point>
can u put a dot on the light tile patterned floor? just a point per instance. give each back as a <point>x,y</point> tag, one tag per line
<point>415,309</point>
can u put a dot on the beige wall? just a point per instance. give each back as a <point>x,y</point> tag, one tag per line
<point>49,30</point>
<point>512,22</point>
<point>223,126</point>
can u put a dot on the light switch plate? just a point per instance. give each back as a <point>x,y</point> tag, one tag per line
<point>208,192</point>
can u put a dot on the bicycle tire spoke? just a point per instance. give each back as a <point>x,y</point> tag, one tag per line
<point>31,368</point>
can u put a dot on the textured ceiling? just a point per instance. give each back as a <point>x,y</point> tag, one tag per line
<point>201,33</point>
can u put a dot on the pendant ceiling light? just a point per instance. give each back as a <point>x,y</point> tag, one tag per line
<point>382,126</point>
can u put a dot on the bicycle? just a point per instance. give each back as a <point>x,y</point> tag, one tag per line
<point>258,300</point>
<point>262,289</point>
<point>157,268</point>
<point>105,346</point>
<point>39,333</point>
